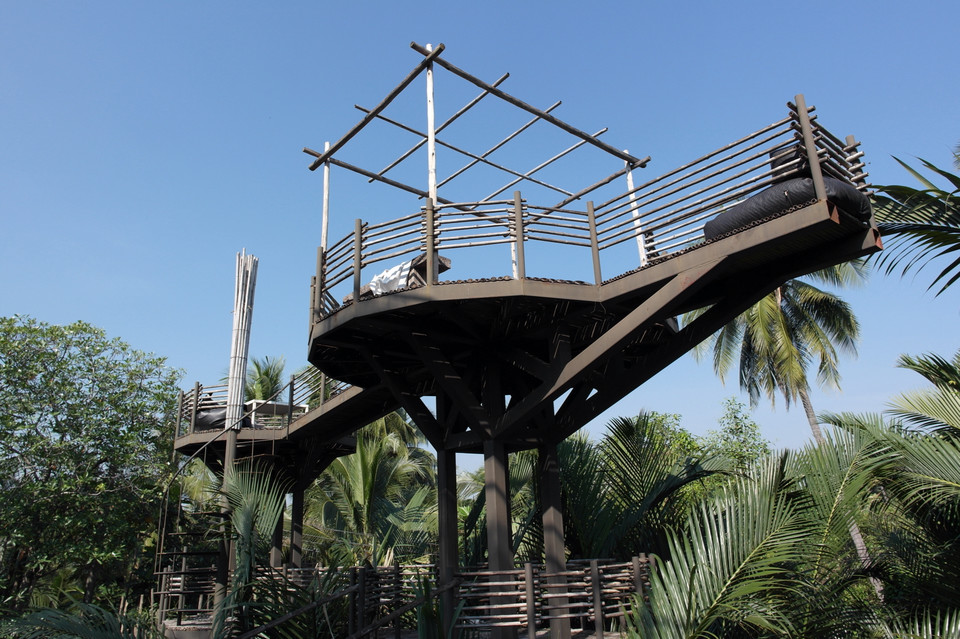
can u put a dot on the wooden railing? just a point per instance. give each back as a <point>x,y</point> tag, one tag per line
<point>654,220</point>
<point>307,390</point>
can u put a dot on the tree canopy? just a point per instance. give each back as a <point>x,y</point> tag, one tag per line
<point>84,443</point>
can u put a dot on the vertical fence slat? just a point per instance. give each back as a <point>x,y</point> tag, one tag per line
<point>597,595</point>
<point>531,600</point>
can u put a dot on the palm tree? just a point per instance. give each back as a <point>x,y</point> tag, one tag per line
<point>775,341</point>
<point>937,408</point>
<point>264,377</point>
<point>778,338</point>
<point>729,570</point>
<point>921,225</point>
<point>379,502</point>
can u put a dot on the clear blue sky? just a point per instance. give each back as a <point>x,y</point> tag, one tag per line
<point>143,144</point>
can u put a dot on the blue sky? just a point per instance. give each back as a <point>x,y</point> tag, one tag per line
<point>143,144</point>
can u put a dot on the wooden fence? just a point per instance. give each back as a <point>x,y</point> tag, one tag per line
<point>591,594</point>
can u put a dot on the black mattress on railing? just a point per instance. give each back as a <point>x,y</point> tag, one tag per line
<point>210,418</point>
<point>785,195</point>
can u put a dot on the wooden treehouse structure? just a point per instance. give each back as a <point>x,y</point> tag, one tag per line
<point>503,306</point>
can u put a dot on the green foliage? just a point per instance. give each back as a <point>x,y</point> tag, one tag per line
<point>728,569</point>
<point>84,447</point>
<point>264,377</point>
<point>430,621</point>
<point>775,342</point>
<point>937,408</point>
<point>920,225</point>
<point>379,503</point>
<point>619,496</point>
<point>81,621</point>
<point>739,436</point>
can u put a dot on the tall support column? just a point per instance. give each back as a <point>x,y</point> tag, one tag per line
<point>296,526</point>
<point>499,542</point>
<point>447,516</point>
<point>553,541</point>
<point>276,545</point>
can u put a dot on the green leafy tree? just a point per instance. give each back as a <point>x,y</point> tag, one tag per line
<point>84,445</point>
<point>739,436</point>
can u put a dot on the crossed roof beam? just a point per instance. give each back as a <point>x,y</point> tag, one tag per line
<point>433,57</point>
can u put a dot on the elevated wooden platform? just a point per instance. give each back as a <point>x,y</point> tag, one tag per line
<point>573,347</point>
<point>491,358</point>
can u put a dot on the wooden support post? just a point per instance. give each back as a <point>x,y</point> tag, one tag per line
<point>357,258</point>
<point>293,378</point>
<point>597,597</point>
<point>352,603</point>
<point>320,280</point>
<point>447,524</point>
<point>431,135</point>
<point>520,268</point>
<point>361,597</point>
<point>635,214</point>
<point>398,595</point>
<point>276,544</point>
<point>325,222</point>
<point>594,244</point>
<point>553,541</point>
<point>499,540</point>
<point>637,576</point>
<point>296,526</point>
<point>323,388</point>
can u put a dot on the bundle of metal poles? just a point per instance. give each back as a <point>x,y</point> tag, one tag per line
<point>242,316</point>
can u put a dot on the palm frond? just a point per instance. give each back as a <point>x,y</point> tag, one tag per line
<point>83,621</point>
<point>936,369</point>
<point>727,569</point>
<point>835,475</point>
<point>921,225</point>
<point>929,624</point>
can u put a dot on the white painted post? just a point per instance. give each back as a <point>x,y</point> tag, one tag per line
<point>431,147</point>
<point>326,200</point>
<point>635,212</point>
<point>431,136</point>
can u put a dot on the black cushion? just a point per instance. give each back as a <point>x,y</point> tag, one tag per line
<point>783,196</point>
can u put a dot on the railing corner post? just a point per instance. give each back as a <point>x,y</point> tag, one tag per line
<point>194,406</point>
<point>357,258</point>
<point>594,243</point>
<point>518,236</point>
<point>430,239</point>
<point>813,158</point>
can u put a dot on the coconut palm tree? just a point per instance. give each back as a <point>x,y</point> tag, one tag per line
<point>920,225</point>
<point>776,341</point>
<point>264,377</point>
